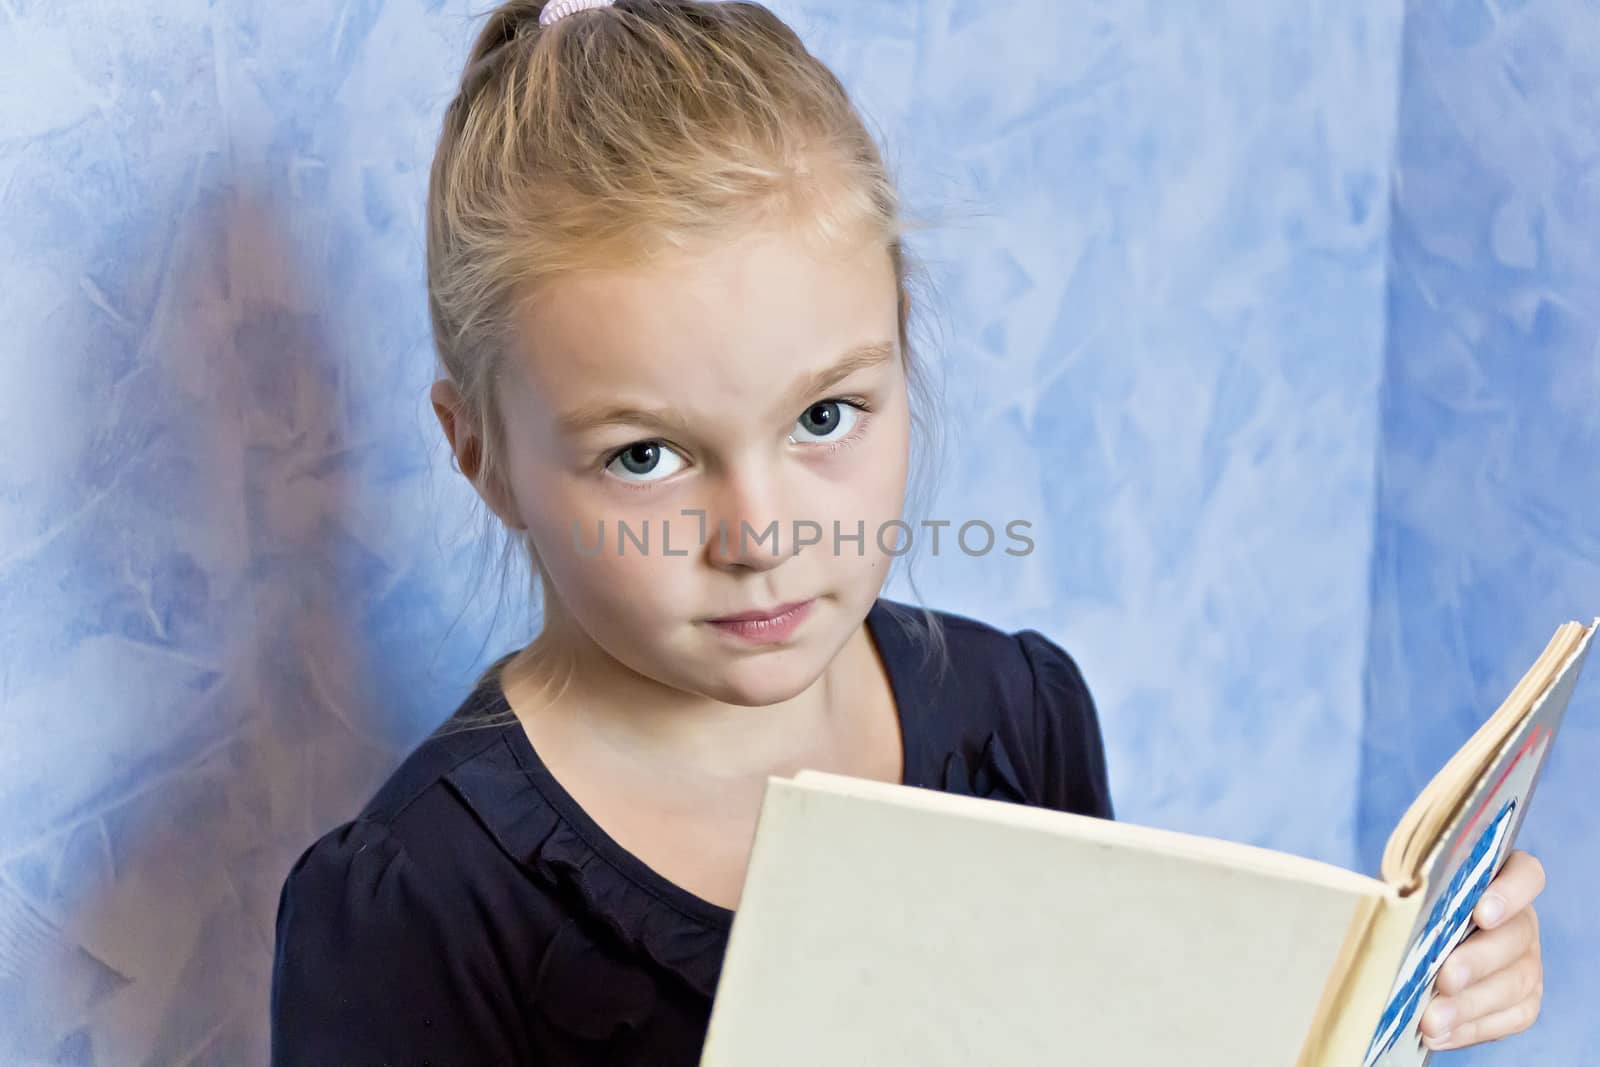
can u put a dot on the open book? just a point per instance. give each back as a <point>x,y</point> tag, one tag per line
<point>891,926</point>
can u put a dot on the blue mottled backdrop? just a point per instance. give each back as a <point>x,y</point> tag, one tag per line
<point>1277,320</point>
<point>1488,494</point>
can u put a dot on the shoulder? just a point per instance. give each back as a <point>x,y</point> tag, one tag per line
<point>399,865</point>
<point>390,841</point>
<point>376,959</point>
<point>1027,690</point>
<point>949,648</point>
<point>1021,672</point>
<point>381,945</point>
<point>1067,734</point>
<point>416,840</point>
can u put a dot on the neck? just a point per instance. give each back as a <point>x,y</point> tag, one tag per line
<point>565,682</point>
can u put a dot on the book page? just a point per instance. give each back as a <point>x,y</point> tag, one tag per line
<point>1426,820</point>
<point>938,930</point>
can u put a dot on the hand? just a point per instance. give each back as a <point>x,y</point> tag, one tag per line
<point>1491,985</point>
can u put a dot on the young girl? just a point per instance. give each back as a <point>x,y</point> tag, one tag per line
<point>669,290</point>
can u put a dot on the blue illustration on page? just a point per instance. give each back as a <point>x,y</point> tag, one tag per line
<point>1448,924</point>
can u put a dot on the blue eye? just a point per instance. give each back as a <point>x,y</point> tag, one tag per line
<point>834,423</point>
<point>827,421</point>
<point>645,461</point>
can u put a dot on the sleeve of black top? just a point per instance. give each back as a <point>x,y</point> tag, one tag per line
<point>377,964</point>
<point>1066,731</point>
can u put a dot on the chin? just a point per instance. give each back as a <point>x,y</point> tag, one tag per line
<point>760,681</point>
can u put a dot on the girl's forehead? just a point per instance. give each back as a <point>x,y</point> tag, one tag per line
<point>739,317</point>
<point>774,271</point>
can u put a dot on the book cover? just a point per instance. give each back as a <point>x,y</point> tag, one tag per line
<point>1463,863</point>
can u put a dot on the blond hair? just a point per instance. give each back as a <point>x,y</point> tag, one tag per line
<point>621,133</point>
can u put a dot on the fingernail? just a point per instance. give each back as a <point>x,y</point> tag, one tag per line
<point>1442,1041</point>
<point>1442,1014</point>
<point>1456,976</point>
<point>1491,908</point>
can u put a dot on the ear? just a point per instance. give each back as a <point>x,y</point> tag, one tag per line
<point>466,448</point>
<point>447,406</point>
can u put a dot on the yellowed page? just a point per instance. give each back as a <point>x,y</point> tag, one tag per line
<point>1347,1031</point>
<point>1419,828</point>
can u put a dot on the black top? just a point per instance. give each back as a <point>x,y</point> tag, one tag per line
<point>474,914</point>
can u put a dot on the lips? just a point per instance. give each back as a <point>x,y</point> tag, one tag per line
<point>762,615</point>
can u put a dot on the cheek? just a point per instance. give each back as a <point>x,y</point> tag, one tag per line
<point>577,534</point>
<point>565,515</point>
<point>885,478</point>
<point>604,586</point>
<point>873,492</point>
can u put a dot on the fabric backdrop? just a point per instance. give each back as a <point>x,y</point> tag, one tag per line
<point>1276,320</point>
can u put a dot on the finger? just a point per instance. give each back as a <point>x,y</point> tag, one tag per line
<point>1501,1024</point>
<point>1484,1010</point>
<point>1488,951</point>
<point>1514,888</point>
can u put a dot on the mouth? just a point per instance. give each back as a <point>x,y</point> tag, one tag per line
<point>772,626</point>
<point>762,615</point>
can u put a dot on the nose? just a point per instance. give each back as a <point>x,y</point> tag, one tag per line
<point>744,530</point>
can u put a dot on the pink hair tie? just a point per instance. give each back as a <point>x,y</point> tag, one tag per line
<point>560,9</point>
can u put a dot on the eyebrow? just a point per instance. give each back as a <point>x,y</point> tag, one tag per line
<point>594,416</point>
